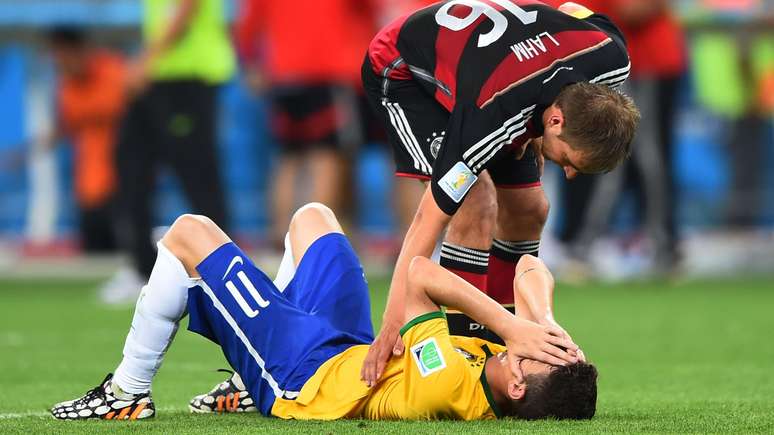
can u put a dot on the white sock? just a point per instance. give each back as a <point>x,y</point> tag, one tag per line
<point>159,308</point>
<point>287,267</point>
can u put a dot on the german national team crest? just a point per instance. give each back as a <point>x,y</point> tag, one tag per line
<point>435,143</point>
<point>457,181</point>
<point>428,357</point>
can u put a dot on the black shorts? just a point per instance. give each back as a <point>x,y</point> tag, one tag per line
<point>416,124</point>
<point>316,116</point>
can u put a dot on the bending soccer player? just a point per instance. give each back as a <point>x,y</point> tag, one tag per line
<point>299,342</point>
<point>475,95</point>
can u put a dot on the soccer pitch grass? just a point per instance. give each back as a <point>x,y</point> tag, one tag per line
<point>679,358</point>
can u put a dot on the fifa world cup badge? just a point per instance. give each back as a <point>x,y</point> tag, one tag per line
<point>457,181</point>
<point>428,357</point>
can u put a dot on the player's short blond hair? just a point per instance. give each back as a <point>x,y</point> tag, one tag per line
<point>600,122</point>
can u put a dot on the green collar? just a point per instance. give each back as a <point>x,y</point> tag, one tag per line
<point>485,385</point>
<point>419,319</point>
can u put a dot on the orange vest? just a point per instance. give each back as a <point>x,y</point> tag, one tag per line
<point>90,109</point>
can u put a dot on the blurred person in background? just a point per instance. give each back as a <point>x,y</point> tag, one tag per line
<point>407,192</point>
<point>171,119</point>
<point>306,56</point>
<point>733,71</point>
<point>90,102</point>
<point>656,48</point>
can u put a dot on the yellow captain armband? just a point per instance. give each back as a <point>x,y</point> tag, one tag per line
<point>576,10</point>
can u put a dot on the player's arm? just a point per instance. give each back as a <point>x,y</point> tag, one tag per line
<point>421,237</point>
<point>454,175</point>
<point>137,74</point>
<point>175,29</point>
<point>533,291</point>
<point>430,285</point>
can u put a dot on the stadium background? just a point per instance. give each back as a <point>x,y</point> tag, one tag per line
<point>665,343</point>
<point>701,159</point>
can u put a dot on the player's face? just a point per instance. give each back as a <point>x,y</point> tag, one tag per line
<point>561,153</point>
<point>528,366</point>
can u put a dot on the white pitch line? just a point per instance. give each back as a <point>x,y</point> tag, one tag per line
<point>15,415</point>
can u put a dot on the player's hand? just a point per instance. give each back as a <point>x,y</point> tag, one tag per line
<point>552,323</point>
<point>398,349</point>
<point>565,334</point>
<point>547,344</point>
<point>388,343</point>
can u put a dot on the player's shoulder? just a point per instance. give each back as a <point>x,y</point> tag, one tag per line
<point>475,346</point>
<point>429,328</point>
<point>429,347</point>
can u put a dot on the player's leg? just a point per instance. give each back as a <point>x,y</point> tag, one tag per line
<point>161,305</point>
<point>465,249</point>
<point>190,146</point>
<point>136,164</point>
<point>326,170</point>
<point>231,395</point>
<point>329,281</point>
<point>521,214</point>
<point>406,196</point>
<point>334,132</point>
<point>273,342</point>
<point>283,193</point>
<point>319,274</point>
<point>284,185</point>
<point>308,224</point>
<point>416,126</point>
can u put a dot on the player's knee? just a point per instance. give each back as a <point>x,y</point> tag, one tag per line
<point>538,210</point>
<point>313,210</point>
<point>187,228</point>
<point>523,216</point>
<point>313,215</point>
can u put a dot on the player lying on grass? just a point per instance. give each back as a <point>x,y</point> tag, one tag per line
<point>299,342</point>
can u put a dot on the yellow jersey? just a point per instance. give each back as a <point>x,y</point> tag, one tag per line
<point>438,377</point>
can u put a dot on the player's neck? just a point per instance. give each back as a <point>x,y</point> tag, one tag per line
<point>498,383</point>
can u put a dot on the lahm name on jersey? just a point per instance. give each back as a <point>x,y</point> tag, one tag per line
<point>532,47</point>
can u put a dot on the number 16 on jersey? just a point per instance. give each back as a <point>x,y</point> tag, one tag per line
<point>478,8</point>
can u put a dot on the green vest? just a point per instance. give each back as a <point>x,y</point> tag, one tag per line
<point>720,82</point>
<point>203,52</point>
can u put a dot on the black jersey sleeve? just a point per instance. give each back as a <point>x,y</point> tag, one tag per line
<point>605,24</point>
<point>473,137</point>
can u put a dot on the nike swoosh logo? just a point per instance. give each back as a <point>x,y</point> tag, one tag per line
<point>233,263</point>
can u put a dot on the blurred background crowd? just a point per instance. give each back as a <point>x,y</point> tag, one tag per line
<point>118,115</point>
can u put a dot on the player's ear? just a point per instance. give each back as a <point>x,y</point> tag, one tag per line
<point>555,117</point>
<point>516,390</point>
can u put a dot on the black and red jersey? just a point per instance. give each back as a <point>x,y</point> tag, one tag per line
<point>492,64</point>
